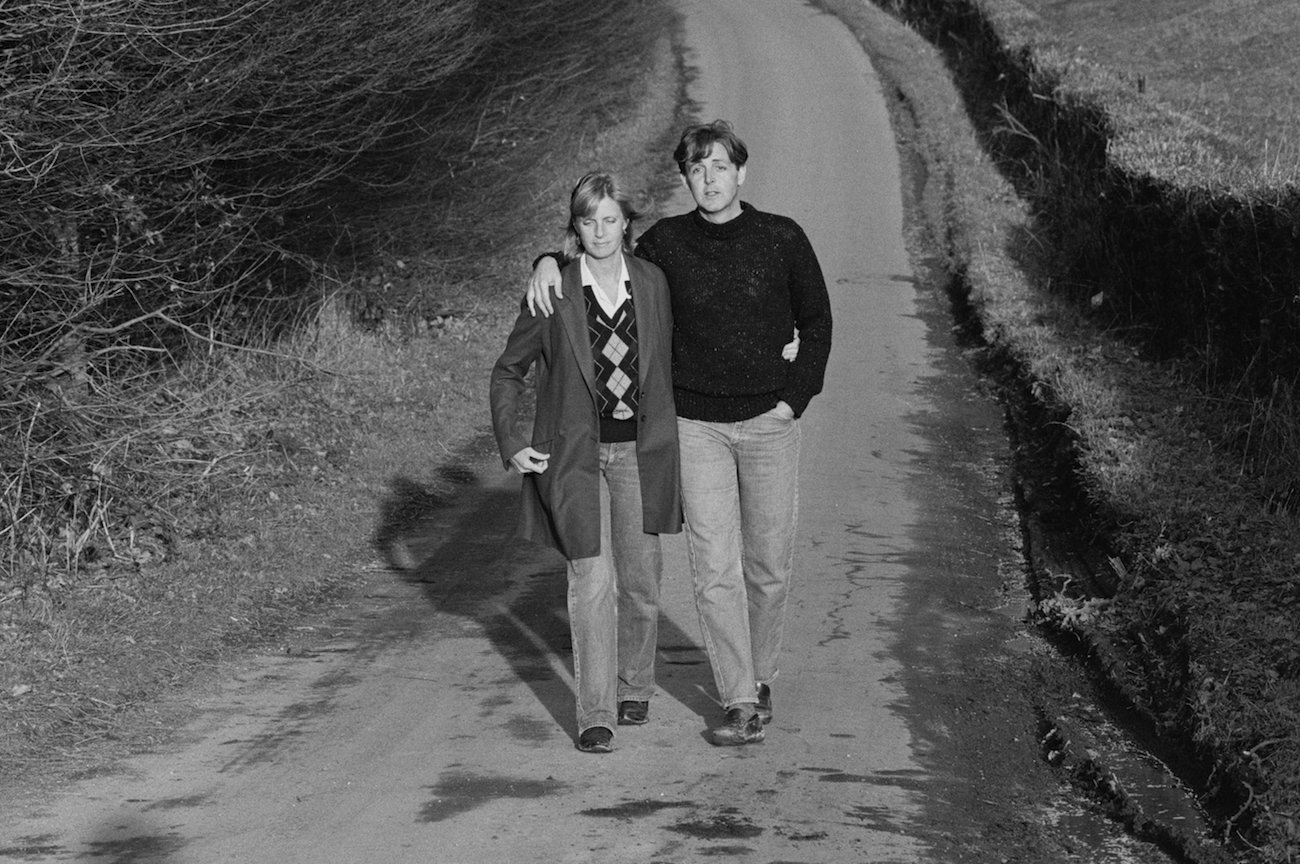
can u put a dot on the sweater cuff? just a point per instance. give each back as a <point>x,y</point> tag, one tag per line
<point>559,257</point>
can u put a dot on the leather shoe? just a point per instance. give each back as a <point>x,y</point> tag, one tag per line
<point>633,713</point>
<point>764,704</point>
<point>741,726</point>
<point>597,739</point>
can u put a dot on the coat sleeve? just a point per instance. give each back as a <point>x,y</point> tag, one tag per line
<point>509,381</point>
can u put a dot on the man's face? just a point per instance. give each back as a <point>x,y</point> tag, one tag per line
<point>715,183</point>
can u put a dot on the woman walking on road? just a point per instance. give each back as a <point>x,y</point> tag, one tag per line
<point>600,470</point>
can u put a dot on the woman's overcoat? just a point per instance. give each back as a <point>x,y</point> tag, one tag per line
<point>561,506</point>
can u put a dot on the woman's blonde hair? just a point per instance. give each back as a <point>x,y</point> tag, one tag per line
<point>586,197</point>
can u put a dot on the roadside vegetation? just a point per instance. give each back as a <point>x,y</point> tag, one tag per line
<point>238,240</point>
<point>1131,266</point>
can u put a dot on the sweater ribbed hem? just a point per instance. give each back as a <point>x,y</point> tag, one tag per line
<point>616,431</point>
<point>722,409</point>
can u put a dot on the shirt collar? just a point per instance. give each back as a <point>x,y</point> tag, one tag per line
<point>623,279</point>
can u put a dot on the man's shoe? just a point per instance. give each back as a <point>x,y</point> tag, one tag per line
<point>597,739</point>
<point>764,704</point>
<point>633,713</point>
<point>741,726</point>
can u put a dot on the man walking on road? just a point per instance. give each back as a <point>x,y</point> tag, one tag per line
<point>740,281</point>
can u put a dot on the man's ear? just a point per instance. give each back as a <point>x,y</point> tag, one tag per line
<point>740,174</point>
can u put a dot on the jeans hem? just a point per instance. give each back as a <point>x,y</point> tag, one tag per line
<point>738,702</point>
<point>611,725</point>
<point>635,697</point>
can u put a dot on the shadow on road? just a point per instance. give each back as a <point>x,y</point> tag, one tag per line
<point>457,543</point>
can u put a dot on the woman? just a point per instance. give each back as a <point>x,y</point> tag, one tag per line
<point>601,467</point>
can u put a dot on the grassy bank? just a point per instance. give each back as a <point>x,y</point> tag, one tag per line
<point>1228,64</point>
<point>167,510</point>
<point>1127,266</point>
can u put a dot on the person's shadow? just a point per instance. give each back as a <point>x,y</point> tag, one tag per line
<point>455,538</point>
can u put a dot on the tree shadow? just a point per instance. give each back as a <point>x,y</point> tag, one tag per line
<point>455,539</point>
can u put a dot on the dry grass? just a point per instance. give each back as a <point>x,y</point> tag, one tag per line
<point>1231,64</point>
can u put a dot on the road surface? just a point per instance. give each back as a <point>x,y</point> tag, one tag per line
<point>435,723</point>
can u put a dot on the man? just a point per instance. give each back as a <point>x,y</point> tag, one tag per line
<point>740,280</point>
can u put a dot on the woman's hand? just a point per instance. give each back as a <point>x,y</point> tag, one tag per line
<point>546,275</point>
<point>791,349</point>
<point>529,461</point>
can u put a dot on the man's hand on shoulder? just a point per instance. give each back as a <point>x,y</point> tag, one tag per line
<point>545,278</point>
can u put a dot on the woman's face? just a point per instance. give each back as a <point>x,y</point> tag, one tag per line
<point>601,230</point>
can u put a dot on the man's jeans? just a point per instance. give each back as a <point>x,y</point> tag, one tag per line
<point>740,486</point>
<point>614,598</point>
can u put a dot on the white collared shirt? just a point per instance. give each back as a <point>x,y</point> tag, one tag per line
<point>610,306</point>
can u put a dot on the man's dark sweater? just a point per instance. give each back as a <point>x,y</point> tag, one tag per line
<point>739,290</point>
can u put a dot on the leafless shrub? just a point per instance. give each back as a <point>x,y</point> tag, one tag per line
<point>173,173</point>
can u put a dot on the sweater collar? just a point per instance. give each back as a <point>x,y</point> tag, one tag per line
<point>730,228</point>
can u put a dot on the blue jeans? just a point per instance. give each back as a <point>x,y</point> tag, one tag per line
<point>740,494</point>
<point>614,598</point>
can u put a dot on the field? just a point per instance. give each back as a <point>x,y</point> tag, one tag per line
<point>1231,64</point>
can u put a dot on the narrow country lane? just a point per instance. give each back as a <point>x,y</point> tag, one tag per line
<point>436,722</point>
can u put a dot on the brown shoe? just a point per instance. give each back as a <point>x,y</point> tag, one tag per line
<point>741,726</point>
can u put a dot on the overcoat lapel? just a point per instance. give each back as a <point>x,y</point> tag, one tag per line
<point>647,317</point>
<point>573,314</point>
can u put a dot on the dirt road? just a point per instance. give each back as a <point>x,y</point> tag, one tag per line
<point>434,721</point>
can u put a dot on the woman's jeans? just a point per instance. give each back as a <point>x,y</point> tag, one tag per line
<point>740,487</point>
<point>614,598</point>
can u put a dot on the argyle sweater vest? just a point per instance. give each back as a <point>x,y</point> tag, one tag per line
<point>614,350</point>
